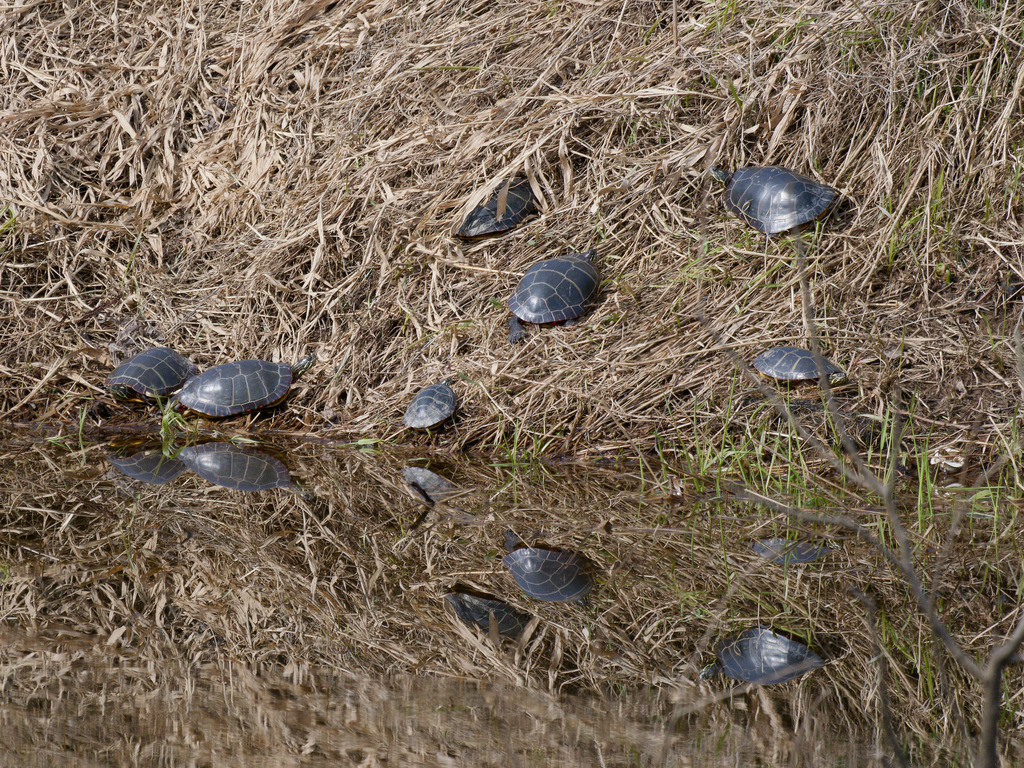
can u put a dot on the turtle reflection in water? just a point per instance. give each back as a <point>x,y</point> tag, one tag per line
<point>786,552</point>
<point>507,208</point>
<point>773,199</point>
<point>552,575</point>
<point>760,656</point>
<point>553,291</point>
<point>148,465</point>
<point>430,486</point>
<point>476,609</point>
<point>239,467</point>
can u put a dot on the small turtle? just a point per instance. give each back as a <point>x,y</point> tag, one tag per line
<point>240,467</point>
<point>480,610</point>
<point>233,388</point>
<point>430,486</point>
<point>431,406</point>
<point>553,575</point>
<point>554,290</point>
<point>760,656</point>
<point>507,208</point>
<point>795,364</point>
<point>773,199</point>
<point>149,465</point>
<point>785,552</point>
<point>157,372</point>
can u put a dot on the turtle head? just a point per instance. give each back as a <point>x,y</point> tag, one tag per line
<point>710,671</point>
<point>303,365</point>
<point>837,379</point>
<point>720,174</point>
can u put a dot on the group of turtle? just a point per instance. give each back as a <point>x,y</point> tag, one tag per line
<point>559,289</point>
<point>228,389</point>
<point>772,199</point>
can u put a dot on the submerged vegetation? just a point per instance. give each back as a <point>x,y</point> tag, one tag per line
<point>266,181</point>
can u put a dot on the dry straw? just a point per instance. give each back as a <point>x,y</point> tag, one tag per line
<point>266,180</point>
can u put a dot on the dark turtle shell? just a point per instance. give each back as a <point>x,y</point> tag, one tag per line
<point>156,372</point>
<point>552,291</point>
<point>498,215</point>
<point>795,364</point>
<point>240,467</point>
<point>760,656</point>
<point>431,406</point>
<point>233,388</point>
<point>773,199</point>
<point>430,485</point>
<point>148,465</point>
<point>478,610</point>
<point>554,575</point>
<point>786,552</point>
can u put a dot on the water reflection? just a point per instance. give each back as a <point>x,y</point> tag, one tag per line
<point>223,463</point>
<point>174,580</point>
<point>148,464</point>
<point>239,467</point>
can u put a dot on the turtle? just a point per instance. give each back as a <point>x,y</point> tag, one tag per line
<point>477,609</point>
<point>785,552</point>
<point>795,364</point>
<point>758,655</point>
<point>240,467</point>
<point>430,486</point>
<point>149,465</point>
<point>553,575</point>
<point>503,211</point>
<point>553,290</point>
<point>233,388</point>
<point>773,199</point>
<point>431,406</point>
<point>157,372</point>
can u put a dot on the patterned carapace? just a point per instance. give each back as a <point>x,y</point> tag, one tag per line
<point>773,199</point>
<point>795,364</point>
<point>431,406</point>
<point>552,291</point>
<point>758,655</point>
<point>555,575</point>
<point>153,373</point>
<point>233,388</point>
<point>484,219</point>
<point>240,467</point>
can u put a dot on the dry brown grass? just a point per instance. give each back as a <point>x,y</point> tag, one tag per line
<point>267,179</point>
<point>264,180</point>
<point>337,583</point>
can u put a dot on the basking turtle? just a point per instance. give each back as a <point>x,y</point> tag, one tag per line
<point>554,290</point>
<point>553,575</point>
<point>773,199</point>
<point>240,467</point>
<point>479,610</point>
<point>431,406</point>
<point>157,372</point>
<point>233,388</point>
<point>795,364</point>
<point>760,656</point>
<point>507,208</point>
<point>785,552</point>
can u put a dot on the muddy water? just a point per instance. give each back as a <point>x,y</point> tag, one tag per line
<point>256,603</point>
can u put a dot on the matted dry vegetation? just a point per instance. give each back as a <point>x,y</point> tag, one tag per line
<point>338,582</point>
<point>266,179</point>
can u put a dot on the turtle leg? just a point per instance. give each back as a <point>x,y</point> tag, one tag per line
<point>516,332</point>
